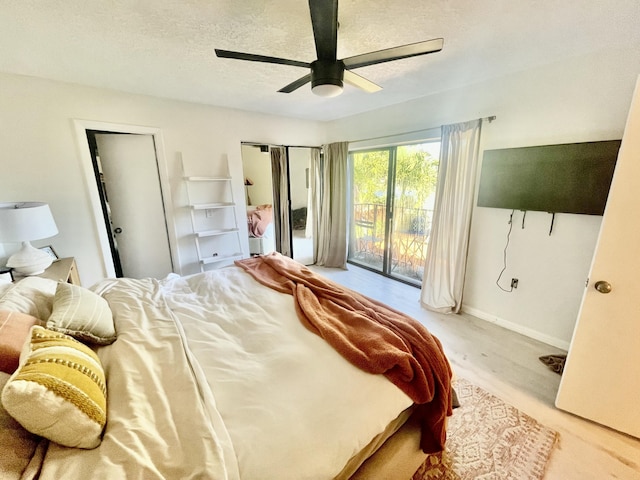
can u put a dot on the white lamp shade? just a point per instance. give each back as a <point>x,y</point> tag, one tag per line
<point>26,221</point>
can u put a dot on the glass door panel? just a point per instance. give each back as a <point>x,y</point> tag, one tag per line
<point>369,217</point>
<point>416,174</point>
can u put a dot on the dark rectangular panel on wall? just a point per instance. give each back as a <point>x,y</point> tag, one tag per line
<point>566,178</point>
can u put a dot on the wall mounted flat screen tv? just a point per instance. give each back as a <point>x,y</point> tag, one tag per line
<point>567,178</point>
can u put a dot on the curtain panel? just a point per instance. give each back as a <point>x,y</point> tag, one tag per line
<point>330,239</point>
<point>281,220</point>
<point>446,261</point>
<point>313,201</point>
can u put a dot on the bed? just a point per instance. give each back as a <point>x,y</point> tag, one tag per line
<point>225,375</point>
<point>261,229</point>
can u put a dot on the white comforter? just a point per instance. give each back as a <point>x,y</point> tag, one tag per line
<point>213,376</point>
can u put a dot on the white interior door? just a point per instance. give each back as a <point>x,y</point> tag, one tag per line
<point>132,185</point>
<point>601,379</point>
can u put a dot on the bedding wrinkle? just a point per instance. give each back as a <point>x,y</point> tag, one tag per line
<point>214,376</point>
<point>158,425</point>
<point>369,334</point>
<point>294,409</point>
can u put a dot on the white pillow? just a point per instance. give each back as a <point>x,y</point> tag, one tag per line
<point>31,295</point>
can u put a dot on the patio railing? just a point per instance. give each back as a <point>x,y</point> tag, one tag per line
<point>408,243</point>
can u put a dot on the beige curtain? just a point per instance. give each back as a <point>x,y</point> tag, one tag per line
<point>446,260</point>
<point>313,200</point>
<point>281,221</point>
<point>330,238</point>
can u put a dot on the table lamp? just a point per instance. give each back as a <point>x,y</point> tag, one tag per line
<point>23,222</point>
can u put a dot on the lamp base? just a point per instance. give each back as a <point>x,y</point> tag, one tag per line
<point>29,260</point>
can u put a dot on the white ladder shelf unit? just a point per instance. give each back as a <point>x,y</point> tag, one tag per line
<point>213,218</point>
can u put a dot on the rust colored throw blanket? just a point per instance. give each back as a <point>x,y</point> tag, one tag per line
<point>370,335</point>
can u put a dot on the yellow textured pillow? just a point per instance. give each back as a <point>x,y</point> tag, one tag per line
<point>59,390</point>
<point>82,314</point>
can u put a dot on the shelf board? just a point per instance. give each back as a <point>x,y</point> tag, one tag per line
<point>220,258</point>
<point>208,179</point>
<point>209,206</point>
<point>211,233</point>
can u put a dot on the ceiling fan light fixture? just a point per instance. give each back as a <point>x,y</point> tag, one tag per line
<point>326,78</point>
<point>327,90</point>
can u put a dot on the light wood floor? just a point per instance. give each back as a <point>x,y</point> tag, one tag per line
<point>506,364</point>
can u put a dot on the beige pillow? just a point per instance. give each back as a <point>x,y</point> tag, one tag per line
<point>82,314</point>
<point>59,390</point>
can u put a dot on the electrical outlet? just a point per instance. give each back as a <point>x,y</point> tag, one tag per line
<point>208,213</point>
<point>514,283</point>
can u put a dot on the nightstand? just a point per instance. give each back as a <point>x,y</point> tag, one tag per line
<point>63,270</point>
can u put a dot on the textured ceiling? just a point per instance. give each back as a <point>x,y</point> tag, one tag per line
<point>165,48</point>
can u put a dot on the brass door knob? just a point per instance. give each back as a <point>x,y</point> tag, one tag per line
<point>602,286</point>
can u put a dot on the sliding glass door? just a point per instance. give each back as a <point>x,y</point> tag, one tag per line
<point>393,192</point>
<point>368,238</point>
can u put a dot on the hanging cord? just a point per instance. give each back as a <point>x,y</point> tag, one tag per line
<point>504,255</point>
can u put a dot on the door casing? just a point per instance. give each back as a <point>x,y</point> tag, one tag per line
<point>81,127</point>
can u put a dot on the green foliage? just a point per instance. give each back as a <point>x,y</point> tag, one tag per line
<point>416,175</point>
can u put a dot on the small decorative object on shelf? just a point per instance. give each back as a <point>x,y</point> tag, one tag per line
<point>50,251</point>
<point>213,218</point>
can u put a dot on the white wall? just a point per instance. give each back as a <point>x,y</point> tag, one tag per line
<point>41,161</point>
<point>583,99</point>
<point>299,159</point>
<point>257,166</point>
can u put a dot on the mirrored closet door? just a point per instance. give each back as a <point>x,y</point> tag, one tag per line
<point>277,194</point>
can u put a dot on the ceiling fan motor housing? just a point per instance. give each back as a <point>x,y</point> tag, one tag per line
<point>325,72</point>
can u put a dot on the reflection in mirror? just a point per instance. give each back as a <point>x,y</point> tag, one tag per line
<point>256,164</point>
<point>257,168</point>
<point>299,160</point>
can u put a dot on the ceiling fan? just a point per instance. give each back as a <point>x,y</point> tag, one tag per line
<point>327,72</point>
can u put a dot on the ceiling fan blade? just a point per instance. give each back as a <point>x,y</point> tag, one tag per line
<point>395,53</point>
<point>260,58</point>
<point>324,18</point>
<point>360,82</point>
<point>295,85</point>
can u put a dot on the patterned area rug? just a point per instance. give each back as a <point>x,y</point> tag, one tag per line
<point>489,440</point>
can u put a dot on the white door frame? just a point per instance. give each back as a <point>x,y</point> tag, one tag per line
<point>86,163</point>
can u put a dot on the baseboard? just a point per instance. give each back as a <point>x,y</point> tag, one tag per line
<point>528,332</point>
